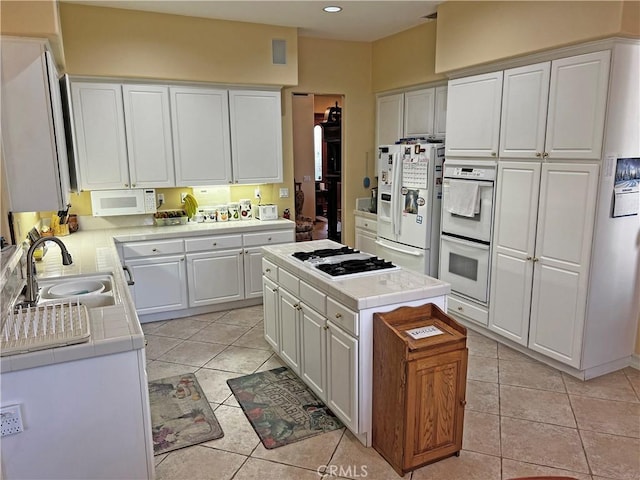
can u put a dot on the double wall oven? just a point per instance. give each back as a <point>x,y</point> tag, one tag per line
<point>467,219</point>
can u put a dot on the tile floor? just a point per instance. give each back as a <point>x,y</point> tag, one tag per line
<point>522,417</point>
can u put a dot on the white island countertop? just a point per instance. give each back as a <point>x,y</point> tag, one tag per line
<point>359,292</point>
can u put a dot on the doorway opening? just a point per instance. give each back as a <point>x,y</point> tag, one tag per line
<point>317,150</point>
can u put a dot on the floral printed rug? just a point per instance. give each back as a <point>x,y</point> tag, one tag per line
<point>281,408</point>
<point>180,414</point>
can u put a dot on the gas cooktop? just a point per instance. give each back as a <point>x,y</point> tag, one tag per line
<point>338,263</point>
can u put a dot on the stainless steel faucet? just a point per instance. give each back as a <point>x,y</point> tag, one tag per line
<point>31,295</point>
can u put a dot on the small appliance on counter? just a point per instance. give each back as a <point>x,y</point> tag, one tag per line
<point>373,208</point>
<point>265,212</point>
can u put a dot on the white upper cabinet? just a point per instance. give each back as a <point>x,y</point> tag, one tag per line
<point>201,138</point>
<point>577,106</point>
<point>148,127</point>
<point>33,141</point>
<point>524,111</point>
<point>418,112</point>
<point>473,116</point>
<point>389,119</point>
<point>100,136</point>
<point>440,116</point>
<point>256,136</point>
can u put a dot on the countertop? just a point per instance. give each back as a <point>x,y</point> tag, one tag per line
<point>365,214</point>
<point>362,292</point>
<point>114,328</point>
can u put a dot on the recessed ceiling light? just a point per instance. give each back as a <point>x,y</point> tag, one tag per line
<point>332,9</point>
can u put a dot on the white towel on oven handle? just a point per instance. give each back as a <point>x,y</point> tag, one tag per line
<point>464,198</point>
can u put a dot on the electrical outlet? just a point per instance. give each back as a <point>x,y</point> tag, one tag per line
<point>284,193</point>
<point>256,192</point>
<point>11,420</point>
<point>182,197</point>
<point>161,198</point>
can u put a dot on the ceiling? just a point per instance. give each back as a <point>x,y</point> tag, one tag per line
<point>360,20</point>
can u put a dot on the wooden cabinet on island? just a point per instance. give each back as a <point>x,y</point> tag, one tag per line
<point>322,328</point>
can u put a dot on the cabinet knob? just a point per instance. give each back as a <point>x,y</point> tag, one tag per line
<point>126,184</point>
<point>493,154</point>
<point>274,290</point>
<point>326,327</point>
<point>296,305</point>
<point>338,315</point>
<point>529,258</point>
<point>246,252</point>
<point>535,259</point>
<point>182,259</point>
<point>545,154</point>
<point>133,185</point>
<point>538,154</point>
<point>154,249</point>
<point>269,239</point>
<point>366,224</point>
<point>463,402</point>
<point>460,309</point>
<point>215,243</point>
<point>267,270</point>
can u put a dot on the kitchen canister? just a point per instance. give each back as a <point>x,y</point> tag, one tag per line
<point>222,213</point>
<point>245,209</point>
<point>234,211</point>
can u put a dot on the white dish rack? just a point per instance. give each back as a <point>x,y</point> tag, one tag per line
<point>46,326</point>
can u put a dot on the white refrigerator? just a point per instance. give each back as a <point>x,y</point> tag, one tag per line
<point>409,202</point>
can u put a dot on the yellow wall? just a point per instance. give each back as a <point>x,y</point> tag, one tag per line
<point>406,58</point>
<point>331,67</point>
<point>33,19</point>
<point>127,43</point>
<point>472,33</point>
<point>631,21</point>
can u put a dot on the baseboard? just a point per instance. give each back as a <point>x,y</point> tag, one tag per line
<point>635,361</point>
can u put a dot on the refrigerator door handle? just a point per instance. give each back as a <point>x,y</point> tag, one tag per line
<point>397,249</point>
<point>396,198</point>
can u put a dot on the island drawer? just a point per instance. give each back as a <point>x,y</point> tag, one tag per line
<point>313,297</point>
<point>269,270</point>
<point>267,238</point>
<point>288,282</point>
<point>342,316</point>
<point>212,243</point>
<point>154,248</point>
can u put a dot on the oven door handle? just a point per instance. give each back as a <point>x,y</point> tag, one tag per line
<point>401,250</point>
<point>466,243</point>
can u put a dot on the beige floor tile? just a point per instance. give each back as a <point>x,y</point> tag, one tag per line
<point>192,353</point>
<point>232,402</point>
<point>209,317</point>
<point>542,444</point>
<point>149,327</point>
<point>311,453</point>
<point>180,328</point>
<point>481,433</point>
<point>220,333</point>
<point>530,374</point>
<point>607,416</point>
<point>262,469</point>
<point>612,456</point>
<point>273,362</point>
<point>483,369</point>
<point>482,397</point>
<point>481,346</point>
<point>199,463</point>
<point>159,458</point>
<point>613,386</point>
<point>244,317</point>
<point>239,436</point>
<point>158,346</point>
<point>536,405</point>
<point>352,454</point>
<point>254,338</point>
<point>512,469</point>
<point>507,353</point>
<point>157,369</point>
<point>239,359</point>
<point>633,374</point>
<point>468,466</point>
<point>214,384</point>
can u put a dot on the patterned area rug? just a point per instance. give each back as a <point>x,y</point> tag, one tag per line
<point>281,408</point>
<point>180,414</point>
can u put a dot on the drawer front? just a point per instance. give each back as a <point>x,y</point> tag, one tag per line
<point>155,248</point>
<point>288,282</point>
<point>457,306</point>
<point>366,224</point>
<point>313,297</point>
<point>269,270</point>
<point>212,243</point>
<point>342,316</point>
<point>268,238</point>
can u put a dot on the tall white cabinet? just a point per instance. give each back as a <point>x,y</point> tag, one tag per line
<point>543,231</point>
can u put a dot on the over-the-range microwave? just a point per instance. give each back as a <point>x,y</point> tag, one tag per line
<point>106,203</point>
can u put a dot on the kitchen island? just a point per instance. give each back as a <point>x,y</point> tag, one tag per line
<point>322,328</point>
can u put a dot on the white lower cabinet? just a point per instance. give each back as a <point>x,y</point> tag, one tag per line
<point>289,314</point>
<point>160,283</point>
<point>342,375</point>
<point>271,319</point>
<point>215,277</point>
<point>314,351</point>
<point>252,272</point>
<point>540,267</point>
